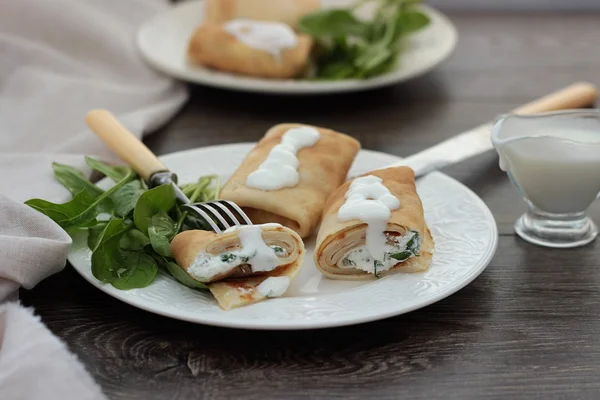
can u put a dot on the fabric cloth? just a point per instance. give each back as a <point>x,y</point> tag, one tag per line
<point>58,60</point>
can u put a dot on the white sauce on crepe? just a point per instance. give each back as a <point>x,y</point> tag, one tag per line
<point>274,286</point>
<point>272,37</point>
<point>371,202</point>
<point>253,251</point>
<point>280,169</point>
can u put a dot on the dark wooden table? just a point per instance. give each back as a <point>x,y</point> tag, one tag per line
<point>528,327</point>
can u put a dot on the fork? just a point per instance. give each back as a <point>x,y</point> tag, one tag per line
<point>220,215</point>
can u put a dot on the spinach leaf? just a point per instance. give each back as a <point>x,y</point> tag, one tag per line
<point>337,70</point>
<point>178,273</point>
<point>349,48</point>
<point>136,270</point>
<point>74,180</point>
<point>73,210</point>
<point>411,21</point>
<point>332,23</point>
<point>94,235</point>
<point>161,232</point>
<point>116,173</point>
<point>160,244</point>
<point>124,269</point>
<point>133,239</point>
<point>106,257</point>
<point>151,202</point>
<point>125,199</point>
<point>81,210</point>
<point>372,58</point>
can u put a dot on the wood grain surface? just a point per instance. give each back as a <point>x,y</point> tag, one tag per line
<point>527,328</point>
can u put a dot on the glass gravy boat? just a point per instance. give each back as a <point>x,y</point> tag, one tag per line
<point>554,161</point>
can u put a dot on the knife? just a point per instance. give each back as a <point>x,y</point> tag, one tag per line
<point>476,141</point>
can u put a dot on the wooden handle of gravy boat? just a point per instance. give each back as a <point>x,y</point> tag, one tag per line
<point>577,95</point>
<point>128,147</point>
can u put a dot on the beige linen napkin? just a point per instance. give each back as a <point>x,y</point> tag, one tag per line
<point>59,59</point>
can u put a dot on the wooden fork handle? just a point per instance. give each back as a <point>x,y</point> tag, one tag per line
<point>128,147</point>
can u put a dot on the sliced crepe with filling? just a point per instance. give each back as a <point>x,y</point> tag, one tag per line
<point>341,251</point>
<point>243,265</point>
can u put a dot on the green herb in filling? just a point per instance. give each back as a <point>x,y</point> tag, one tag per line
<point>376,264</point>
<point>413,244</point>
<point>348,262</point>
<point>245,259</point>
<point>412,249</point>
<point>402,256</point>
<point>278,250</point>
<point>228,258</point>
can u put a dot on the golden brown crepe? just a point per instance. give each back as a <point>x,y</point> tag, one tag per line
<point>323,168</point>
<point>237,287</point>
<point>336,238</point>
<point>287,11</point>
<point>211,45</point>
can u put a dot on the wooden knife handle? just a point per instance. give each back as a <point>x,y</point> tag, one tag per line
<point>577,95</point>
<point>128,147</point>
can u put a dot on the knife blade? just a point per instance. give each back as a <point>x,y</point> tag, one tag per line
<point>477,140</point>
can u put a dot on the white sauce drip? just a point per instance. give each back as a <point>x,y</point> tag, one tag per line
<point>371,202</point>
<point>272,37</point>
<point>274,286</point>
<point>280,169</point>
<point>253,251</point>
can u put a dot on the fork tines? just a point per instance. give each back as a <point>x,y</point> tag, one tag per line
<point>219,215</point>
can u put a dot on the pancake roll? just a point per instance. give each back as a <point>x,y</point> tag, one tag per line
<point>253,48</point>
<point>289,175</point>
<point>373,226</point>
<point>286,11</point>
<point>242,265</point>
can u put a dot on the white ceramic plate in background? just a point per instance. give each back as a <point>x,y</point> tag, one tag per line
<point>163,41</point>
<point>462,227</point>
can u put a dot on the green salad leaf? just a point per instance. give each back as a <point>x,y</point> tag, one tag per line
<point>107,257</point>
<point>116,173</point>
<point>332,23</point>
<point>130,227</point>
<point>348,47</point>
<point>125,199</point>
<point>83,210</point>
<point>74,180</point>
<point>138,270</point>
<point>153,201</point>
<point>162,230</point>
<point>179,274</point>
<point>134,239</point>
<point>95,234</point>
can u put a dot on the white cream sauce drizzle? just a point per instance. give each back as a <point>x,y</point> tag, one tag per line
<point>371,202</point>
<point>274,286</point>
<point>272,37</point>
<point>253,251</point>
<point>280,169</point>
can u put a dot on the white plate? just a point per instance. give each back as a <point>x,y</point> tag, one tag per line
<point>463,229</point>
<point>163,43</point>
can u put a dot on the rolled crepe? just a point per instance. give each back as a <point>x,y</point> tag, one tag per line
<point>322,169</point>
<point>337,239</point>
<point>211,45</point>
<point>233,274</point>
<point>287,11</point>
